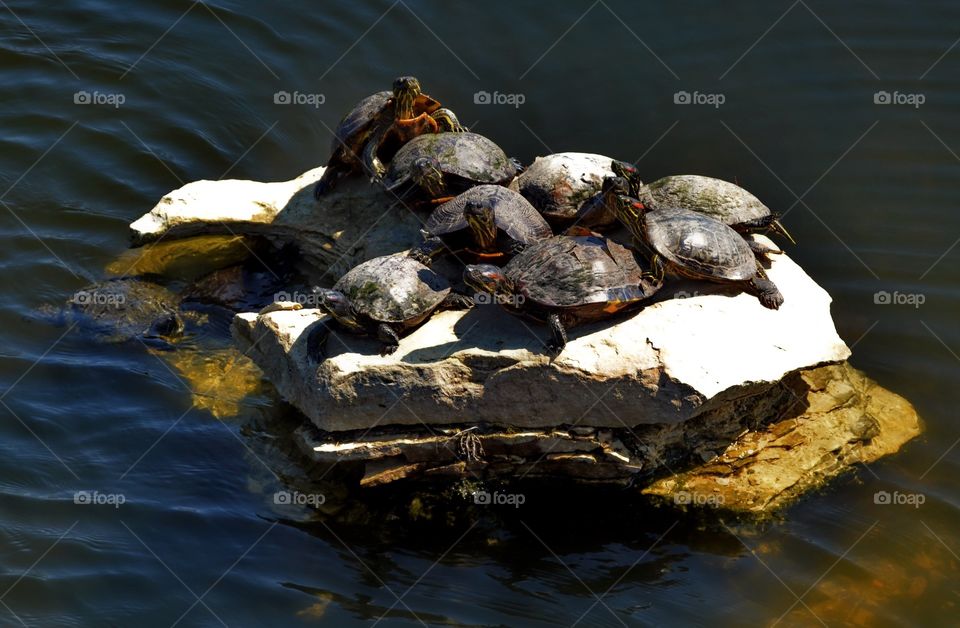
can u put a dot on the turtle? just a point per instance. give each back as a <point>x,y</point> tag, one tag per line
<point>725,201</point>
<point>559,184</point>
<point>565,281</point>
<point>442,165</point>
<point>630,173</point>
<point>122,309</point>
<point>488,221</point>
<point>383,297</point>
<point>358,139</point>
<point>696,246</point>
<point>598,212</point>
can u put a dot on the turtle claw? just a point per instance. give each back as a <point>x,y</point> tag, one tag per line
<point>390,339</point>
<point>771,299</point>
<point>558,334</point>
<point>767,292</point>
<point>419,256</point>
<point>455,301</point>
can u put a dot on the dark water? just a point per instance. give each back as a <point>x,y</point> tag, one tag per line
<point>869,191</point>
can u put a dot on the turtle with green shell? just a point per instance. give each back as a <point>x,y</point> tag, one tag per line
<point>435,168</point>
<point>384,297</point>
<point>693,245</point>
<point>385,117</point>
<point>488,222</point>
<point>725,201</point>
<point>566,281</point>
<point>122,309</point>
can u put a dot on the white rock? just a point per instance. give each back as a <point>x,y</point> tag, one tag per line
<point>672,361</point>
<point>350,225</point>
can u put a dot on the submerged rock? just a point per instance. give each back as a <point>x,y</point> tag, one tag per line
<point>846,419</point>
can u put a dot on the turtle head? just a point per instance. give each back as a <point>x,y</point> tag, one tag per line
<point>482,221</point>
<point>628,172</point>
<point>630,212</point>
<point>405,92</point>
<point>427,174</point>
<point>615,185</point>
<point>486,279</point>
<point>337,305</point>
<point>168,325</point>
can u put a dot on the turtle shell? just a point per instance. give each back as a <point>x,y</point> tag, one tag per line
<point>467,155</point>
<point>117,310</point>
<point>559,184</point>
<point>393,289</point>
<point>356,123</point>
<point>571,271</point>
<point>701,245</point>
<point>512,213</point>
<point>728,203</point>
<point>353,130</point>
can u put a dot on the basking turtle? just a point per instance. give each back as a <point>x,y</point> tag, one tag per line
<point>728,203</point>
<point>383,297</point>
<point>599,211</point>
<point>442,165</point>
<point>630,173</point>
<point>488,221</point>
<point>696,246</point>
<point>123,309</point>
<point>566,281</point>
<point>358,139</point>
<point>559,184</point>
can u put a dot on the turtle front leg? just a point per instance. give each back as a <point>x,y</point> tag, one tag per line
<point>447,121</point>
<point>317,341</point>
<point>454,301</point>
<point>328,181</point>
<point>407,129</point>
<point>429,249</point>
<point>657,270</point>
<point>761,251</point>
<point>558,333</point>
<point>779,229</point>
<point>766,291</point>
<point>371,162</point>
<point>514,247</point>
<point>389,337</point>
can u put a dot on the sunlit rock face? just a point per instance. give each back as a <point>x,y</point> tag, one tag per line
<point>671,362</point>
<point>703,398</point>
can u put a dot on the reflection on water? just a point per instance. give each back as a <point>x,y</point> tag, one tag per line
<point>219,379</point>
<point>181,259</point>
<point>200,518</point>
